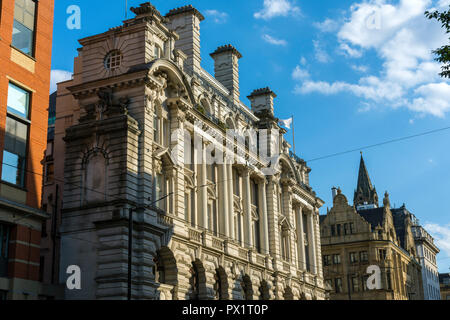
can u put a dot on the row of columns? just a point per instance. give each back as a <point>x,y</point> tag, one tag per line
<point>226,213</point>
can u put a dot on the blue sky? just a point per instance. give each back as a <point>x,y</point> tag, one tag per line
<point>353,73</point>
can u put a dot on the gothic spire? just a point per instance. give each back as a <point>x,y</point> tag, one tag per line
<point>365,193</point>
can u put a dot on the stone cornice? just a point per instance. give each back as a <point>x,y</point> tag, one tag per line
<point>185,9</point>
<point>124,80</point>
<point>226,48</point>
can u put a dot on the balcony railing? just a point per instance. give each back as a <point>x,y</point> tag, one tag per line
<point>195,235</point>
<point>165,220</point>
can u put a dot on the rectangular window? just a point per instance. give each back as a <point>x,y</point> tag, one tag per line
<point>338,285</point>
<point>15,152</point>
<point>355,284</point>
<point>382,254</point>
<point>363,256</point>
<point>16,136</point>
<point>338,227</point>
<point>326,260</point>
<point>336,259</point>
<point>333,230</point>
<point>364,282</point>
<point>346,229</point>
<point>18,101</point>
<point>353,257</point>
<point>24,26</point>
<point>352,228</point>
<point>5,231</point>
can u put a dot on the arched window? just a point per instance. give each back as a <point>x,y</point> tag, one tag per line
<point>161,124</point>
<point>95,178</point>
<point>113,60</point>
<point>158,52</point>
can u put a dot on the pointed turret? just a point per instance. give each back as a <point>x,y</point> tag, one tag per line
<point>365,193</point>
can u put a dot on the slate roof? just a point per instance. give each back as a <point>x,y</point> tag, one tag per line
<point>372,216</point>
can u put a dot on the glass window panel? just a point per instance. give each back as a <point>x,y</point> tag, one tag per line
<point>18,100</point>
<point>16,137</point>
<point>13,169</point>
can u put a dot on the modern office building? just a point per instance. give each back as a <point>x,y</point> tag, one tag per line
<point>26,28</point>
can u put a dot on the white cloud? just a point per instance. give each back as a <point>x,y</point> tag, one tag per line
<point>433,98</point>
<point>217,16</point>
<point>320,54</point>
<point>277,8</point>
<point>444,3</point>
<point>303,61</point>
<point>360,68</point>
<point>441,235</point>
<point>57,76</point>
<point>351,52</point>
<point>299,73</point>
<point>403,39</point>
<point>328,25</point>
<point>274,41</point>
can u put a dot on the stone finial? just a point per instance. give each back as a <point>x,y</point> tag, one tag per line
<point>386,201</point>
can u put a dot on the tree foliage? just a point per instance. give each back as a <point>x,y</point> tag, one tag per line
<point>442,53</point>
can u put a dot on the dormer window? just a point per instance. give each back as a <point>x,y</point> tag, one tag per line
<point>113,60</point>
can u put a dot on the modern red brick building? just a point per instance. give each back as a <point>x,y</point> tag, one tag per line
<point>26,28</point>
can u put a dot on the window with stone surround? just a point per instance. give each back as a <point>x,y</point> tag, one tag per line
<point>336,258</point>
<point>363,256</point>
<point>353,257</point>
<point>24,26</point>
<point>338,285</point>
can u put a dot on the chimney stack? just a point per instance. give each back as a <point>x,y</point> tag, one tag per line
<point>262,101</point>
<point>185,21</point>
<point>334,192</point>
<point>226,69</point>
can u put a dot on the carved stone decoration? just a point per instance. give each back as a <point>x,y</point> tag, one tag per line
<point>105,107</point>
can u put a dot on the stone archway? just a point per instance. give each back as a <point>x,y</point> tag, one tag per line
<point>288,294</point>
<point>166,274</point>
<point>197,282</point>
<point>246,288</point>
<point>221,285</point>
<point>264,291</point>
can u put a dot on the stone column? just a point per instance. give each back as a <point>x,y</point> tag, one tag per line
<point>301,239</point>
<point>223,202</point>
<point>263,221</point>
<point>248,209</point>
<point>312,243</point>
<point>203,209</point>
<point>272,217</point>
<point>229,183</point>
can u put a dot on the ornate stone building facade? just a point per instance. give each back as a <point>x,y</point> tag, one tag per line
<point>356,237</point>
<point>202,230</point>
